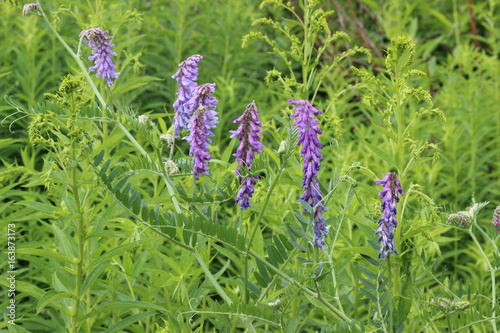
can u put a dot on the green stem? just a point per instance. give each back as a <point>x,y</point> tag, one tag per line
<point>401,170</point>
<point>75,323</point>
<point>78,61</point>
<point>334,241</point>
<point>168,181</point>
<point>256,226</point>
<point>84,70</point>
<point>391,292</point>
<point>211,278</point>
<point>493,281</point>
<point>450,328</point>
<point>337,313</point>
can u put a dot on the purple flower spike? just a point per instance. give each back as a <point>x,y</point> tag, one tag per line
<point>186,78</point>
<point>202,121</point>
<point>308,138</point>
<point>496,218</point>
<point>246,192</point>
<point>202,97</point>
<point>101,54</point>
<point>388,221</point>
<point>248,133</point>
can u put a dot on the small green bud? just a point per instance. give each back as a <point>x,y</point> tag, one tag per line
<point>282,148</point>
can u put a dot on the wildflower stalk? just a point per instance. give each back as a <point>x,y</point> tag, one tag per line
<point>470,221</point>
<point>104,106</point>
<point>349,193</point>
<point>492,271</point>
<point>391,292</point>
<point>81,247</point>
<point>336,312</point>
<point>78,61</point>
<point>168,181</point>
<point>81,229</point>
<point>256,224</point>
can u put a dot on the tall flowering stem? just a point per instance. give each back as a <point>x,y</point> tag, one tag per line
<point>308,138</point>
<point>101,54</point>
<point>248,133</point>
<point>202,121</point>
<point>388,221</point>
<point>186,78</point>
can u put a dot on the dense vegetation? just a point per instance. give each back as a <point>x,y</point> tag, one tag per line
<point>104,227</point>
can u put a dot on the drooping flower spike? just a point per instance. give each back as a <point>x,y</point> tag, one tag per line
<point>200,124</point>
<point>186,78</point>
<point>388,221</point>
<point>101,54</point>
<point>248,133</point>
<point>308,138</point>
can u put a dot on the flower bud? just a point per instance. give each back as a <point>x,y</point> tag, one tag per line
<point>168,139</point>
<point>30,7</point>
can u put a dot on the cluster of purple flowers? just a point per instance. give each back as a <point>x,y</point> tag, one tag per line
<point>186,78</point>
<point>101,54</point>
<point>308,138</point>
<point>195,111</point>
<point>386,224</point>
<point>248,133</point>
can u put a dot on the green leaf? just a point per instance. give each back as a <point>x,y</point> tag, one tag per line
<point>39,207</point>
<point>44,253</point>
<point>228,151</point>
<point>123,305</point>
<point>132,84</point>
<point>51,297</point>
<point>129,321</point>
<point>92,276</point>
<point>280,248</point>
<point>64,243</point>
<point>263,273</point>
<point>369,295</point>
<point>116,251</point>
<point>382,154</point>
<point>120,184</point>
<point>368,273</point>
<point>112,175</point>
<point>104,168</point>
<point>98,158</point>
<point>444,20</point>
<point>212,279</point>
<point>286,242</point>
<point>368,251</point>
<point>367,283</point>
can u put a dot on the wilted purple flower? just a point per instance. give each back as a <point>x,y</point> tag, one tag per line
<point>388,221</point>
<point>101,53</point>
<point>248,133</point>
<point>308,138</point>
<point>459,219</point>
<point>185,77</point>
<point>200,125</point>
<point>496,218</point>
<point>30,7</point>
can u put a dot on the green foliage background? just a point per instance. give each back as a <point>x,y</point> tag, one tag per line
<point>153,260</point>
